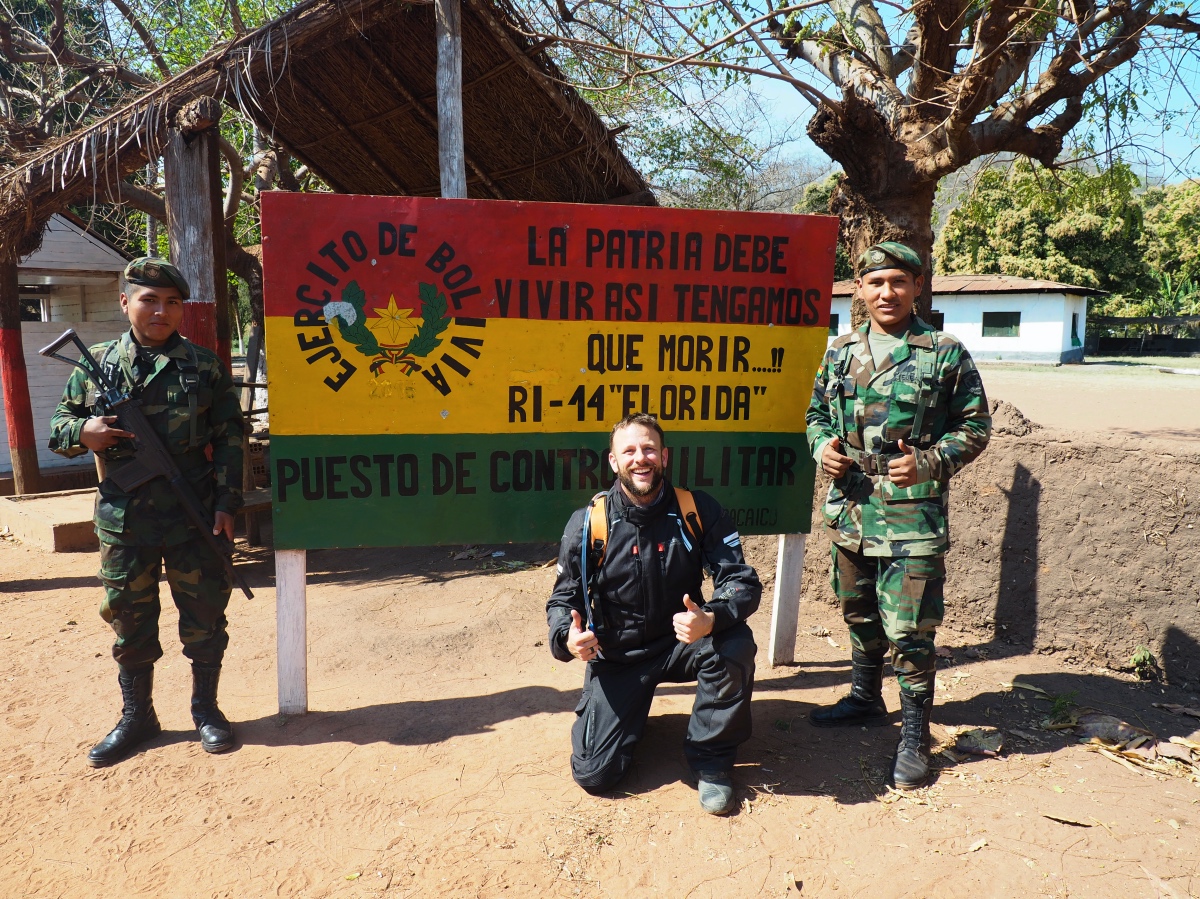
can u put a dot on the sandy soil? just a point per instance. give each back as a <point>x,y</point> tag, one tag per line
<point>434,760</point>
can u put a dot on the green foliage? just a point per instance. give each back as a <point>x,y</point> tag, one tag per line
<point>1172,231</point>
<point>1144,665</point>
<point>1073,226</point>
<point>816,200</point>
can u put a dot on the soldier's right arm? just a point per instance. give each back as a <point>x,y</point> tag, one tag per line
<point>69,418</point>
<point>567,595</point>
<point>819,417</point>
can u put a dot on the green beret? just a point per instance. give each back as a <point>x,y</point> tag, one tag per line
<point>149,271</point>
<point>889,254</point>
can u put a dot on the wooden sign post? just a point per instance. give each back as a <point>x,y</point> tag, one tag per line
<point>446,371</point>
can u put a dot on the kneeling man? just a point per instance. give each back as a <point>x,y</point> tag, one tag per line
<point>628,602</point>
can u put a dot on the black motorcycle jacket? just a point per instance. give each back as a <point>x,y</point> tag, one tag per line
<point>651,560</point>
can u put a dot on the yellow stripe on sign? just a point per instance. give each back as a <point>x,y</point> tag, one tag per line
<point>497,375</point>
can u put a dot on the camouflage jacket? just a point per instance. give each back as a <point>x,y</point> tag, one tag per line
<point>151,514</point>
<point>872,409</point>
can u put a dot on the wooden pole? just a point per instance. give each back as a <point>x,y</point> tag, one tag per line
<point>451,153</point>
<point>291,630</point>
<point>196,223</point>
<point>785,613</point>
<point>14,381</point>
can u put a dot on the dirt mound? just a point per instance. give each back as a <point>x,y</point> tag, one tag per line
<point>1070,543</point>
<point>1007,419</point>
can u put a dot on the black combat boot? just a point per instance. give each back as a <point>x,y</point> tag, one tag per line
<point>864,704</point>
<point>138,721</point>
<point>910,768</point>
<point>216,733</point>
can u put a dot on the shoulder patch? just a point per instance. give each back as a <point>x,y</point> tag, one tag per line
<point>972,382</point>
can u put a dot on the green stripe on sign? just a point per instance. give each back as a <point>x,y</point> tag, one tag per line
<point>406,490</point>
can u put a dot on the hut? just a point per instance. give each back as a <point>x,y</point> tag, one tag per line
<point>348,87</point>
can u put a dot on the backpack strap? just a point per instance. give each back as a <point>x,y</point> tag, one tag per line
<point>595,540</point>
<point>688,514</point>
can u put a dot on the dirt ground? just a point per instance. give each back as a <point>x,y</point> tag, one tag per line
<point>434,760</point>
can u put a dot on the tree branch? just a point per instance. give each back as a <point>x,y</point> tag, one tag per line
<point>147,38</point>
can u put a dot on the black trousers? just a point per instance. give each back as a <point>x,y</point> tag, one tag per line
<point>612,712</point>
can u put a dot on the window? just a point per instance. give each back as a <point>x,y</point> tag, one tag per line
<point>1002,324</point>
<point>833,324</point>
<point>31,309</point>
<point>937,319</point>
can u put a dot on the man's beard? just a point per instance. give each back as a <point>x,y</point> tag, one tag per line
<point>634,488</point>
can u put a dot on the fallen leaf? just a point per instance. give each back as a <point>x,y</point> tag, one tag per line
<point>354,876</point>
<point>1174,823</point>
<point>977,845</point>
<point>1109,728</point>
<point>829,640</point>
<point>1182,741</point>
<point>1173,750</point>
<point>986,741</point>
<point>1070,821</point>
<point>1027,737</point>
<point>944,652</point>
<point>1058,789</point>
<point>1021,685</point>
<point>1176,709</point>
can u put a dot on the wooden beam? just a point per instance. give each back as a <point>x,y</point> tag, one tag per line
<point>785,612</point>
<point>14,381</point>
<point>424,114</point>
<point>196,231</point>
<point>451,153</point>
<point>291,630</point>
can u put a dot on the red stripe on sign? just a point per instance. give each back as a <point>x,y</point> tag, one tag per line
<point>15,381</point>
<point>542,261</point>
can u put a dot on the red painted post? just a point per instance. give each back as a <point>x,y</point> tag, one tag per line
<point>14,380</point>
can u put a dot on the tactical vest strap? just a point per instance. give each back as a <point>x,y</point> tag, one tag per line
<point>925,385</point>
<point>189,377</point>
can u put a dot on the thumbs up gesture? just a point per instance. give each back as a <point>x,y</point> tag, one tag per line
<point>833,462</point>
<point>903,471</point>
<point>581,642</point>
<point>693,623</point>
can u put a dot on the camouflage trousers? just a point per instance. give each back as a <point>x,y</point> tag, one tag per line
<point>199,587</point>
<point>896,602</point>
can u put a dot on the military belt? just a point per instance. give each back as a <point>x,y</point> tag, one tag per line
<point>871,463</point>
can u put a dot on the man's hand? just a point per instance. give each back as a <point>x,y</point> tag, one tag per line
<point>96,434</point>
<point>223,524</point>
<point>903,471</point>
<point>833,463</point>
<point>581,642</point>
<point>692,624</point>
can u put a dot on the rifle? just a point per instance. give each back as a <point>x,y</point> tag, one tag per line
<point>152,459</point>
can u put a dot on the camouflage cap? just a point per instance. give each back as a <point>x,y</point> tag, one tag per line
<point>149,271</point>
<point>889,254</point>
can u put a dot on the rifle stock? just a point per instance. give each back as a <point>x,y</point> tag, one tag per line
<point>151,459</point>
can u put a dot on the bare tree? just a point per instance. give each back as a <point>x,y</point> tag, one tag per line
<point>902,95</point>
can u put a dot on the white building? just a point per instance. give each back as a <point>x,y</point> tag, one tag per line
<point>73,281</point>
<point>998,317</point>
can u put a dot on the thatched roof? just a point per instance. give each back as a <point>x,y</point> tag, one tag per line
<point>348,87</point>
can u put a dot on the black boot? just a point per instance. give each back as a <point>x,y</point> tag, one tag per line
<point>216,733</point>
<point>864,705</point>
<point>910,768</point>
<point>138,721</point>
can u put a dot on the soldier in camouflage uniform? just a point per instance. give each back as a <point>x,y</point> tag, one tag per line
<point>897,409</point>
<point>189,399</point>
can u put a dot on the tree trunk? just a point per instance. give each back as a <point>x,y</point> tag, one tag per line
<point>904,217</point>
<point>881,197</point>
<point>14,380</point>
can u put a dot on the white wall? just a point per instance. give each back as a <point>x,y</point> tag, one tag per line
<point>1045,332</point>
<point>46,381</point>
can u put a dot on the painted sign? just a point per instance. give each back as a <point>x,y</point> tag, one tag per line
<point>447,371</point>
